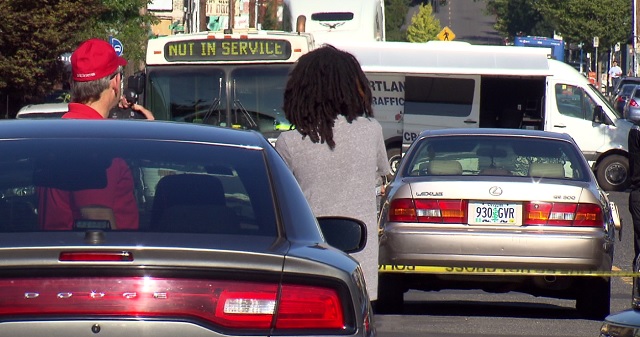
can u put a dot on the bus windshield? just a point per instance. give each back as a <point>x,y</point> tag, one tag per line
<point>239,96</point>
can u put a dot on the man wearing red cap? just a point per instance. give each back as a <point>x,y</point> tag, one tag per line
<point>95,89</point>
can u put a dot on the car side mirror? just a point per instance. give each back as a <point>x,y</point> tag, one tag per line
<point>598,115</point>
<point>346,234</point>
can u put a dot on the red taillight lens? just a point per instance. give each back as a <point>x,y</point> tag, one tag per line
<point>588,215</point>
<point>620,99</point>
<point>562,214</point>
<point>241,305</point>
<point>632,102</point>
<point>402,210</point>
<point>428,210</point>
<point>309,308</point>
<point>96,256</point>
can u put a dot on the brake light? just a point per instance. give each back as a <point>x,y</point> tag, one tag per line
<point>96,256</point>
<point>632,102</point>
<point>231,304</point>
<point>620,99</point>
<point>562,214</point>
<point>402,210</point>
<point>428,210</point>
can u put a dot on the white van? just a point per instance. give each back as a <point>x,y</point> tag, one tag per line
<point>450,84</point>
<point>335,20</point>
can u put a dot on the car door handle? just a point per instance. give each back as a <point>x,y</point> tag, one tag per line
<point>468,121</point>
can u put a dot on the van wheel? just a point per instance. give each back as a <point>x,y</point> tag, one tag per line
<point>390,294</point>
<point>613,173</point>
<point>593,300</point>
<point>394,155</point>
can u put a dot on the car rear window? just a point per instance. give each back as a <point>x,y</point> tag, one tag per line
<point>496,156</point>
<point>177,187</point>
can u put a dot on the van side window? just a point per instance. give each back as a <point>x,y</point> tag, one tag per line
<point>572,101</point>
<point>435,96</point>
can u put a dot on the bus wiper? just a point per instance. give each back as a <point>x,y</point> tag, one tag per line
<point>215,104</point>
<point>236,102</point>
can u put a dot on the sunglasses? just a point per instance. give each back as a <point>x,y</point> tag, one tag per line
<point>114,75</point>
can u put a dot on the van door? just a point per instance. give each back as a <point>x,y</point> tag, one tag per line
<point>570,110</point>
<point>440,102</point>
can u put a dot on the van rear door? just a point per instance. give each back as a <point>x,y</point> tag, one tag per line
<point>440,102</point>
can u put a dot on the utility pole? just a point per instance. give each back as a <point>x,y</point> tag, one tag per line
<point>232,14</point>
<point>202,16</point>
<point>252,13</point>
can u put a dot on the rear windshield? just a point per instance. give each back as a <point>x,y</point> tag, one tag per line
<point>134,185</point>
<point>497,156</point>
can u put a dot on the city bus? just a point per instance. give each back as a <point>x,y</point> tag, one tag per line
<point>234,80</point>
<point>556,45</point>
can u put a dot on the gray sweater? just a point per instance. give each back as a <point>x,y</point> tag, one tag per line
<point>342,181</point>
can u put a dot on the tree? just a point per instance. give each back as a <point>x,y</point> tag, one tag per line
<point>269,19</point>
<point>576,20</point>
<point>395,12</point>
<point>34,34</point>
<point>126,20</point>
<point>424,26</point>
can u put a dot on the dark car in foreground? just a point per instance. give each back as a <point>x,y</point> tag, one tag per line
<point>625,323</point>
<point>226,243</point>
<point>497,200</point>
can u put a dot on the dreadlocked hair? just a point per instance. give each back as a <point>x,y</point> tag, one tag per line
<point>325,83</point>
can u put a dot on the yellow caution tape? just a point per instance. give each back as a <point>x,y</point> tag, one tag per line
<point>500,271</point>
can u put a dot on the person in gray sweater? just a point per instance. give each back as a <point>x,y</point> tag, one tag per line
<point>336,151</point>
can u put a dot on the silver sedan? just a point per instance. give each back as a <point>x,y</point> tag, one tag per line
<point>501,200</point>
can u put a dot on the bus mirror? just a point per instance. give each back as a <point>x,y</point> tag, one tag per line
<point>136,83</point>
<point>301,23</point>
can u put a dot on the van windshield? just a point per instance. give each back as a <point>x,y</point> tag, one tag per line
<point>606,102</point>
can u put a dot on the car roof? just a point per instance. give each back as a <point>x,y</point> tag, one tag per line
<point>128,129</point>
<point>496,132</point>
<point>42,109</point>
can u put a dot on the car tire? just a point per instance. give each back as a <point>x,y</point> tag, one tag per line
<point>593,300</point>
<point>394,155</point>
<point>613,173</point>
<point>390,294</point>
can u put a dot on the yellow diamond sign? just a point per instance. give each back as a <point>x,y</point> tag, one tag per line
<point>446,34</point>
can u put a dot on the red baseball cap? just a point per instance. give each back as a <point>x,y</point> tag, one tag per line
<point>93,60</point>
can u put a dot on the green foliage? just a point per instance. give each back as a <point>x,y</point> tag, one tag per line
<point>270,21</point>
<point>124,20</point>
<point>576,20</point>
<point>424,26</point>
<point>395,12</point>
<point>34,34</point>
<point>518,17</point>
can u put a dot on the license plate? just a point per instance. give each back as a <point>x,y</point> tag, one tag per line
<point>491,213</point>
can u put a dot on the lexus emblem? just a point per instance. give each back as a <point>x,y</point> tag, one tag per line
<point>495,191</point>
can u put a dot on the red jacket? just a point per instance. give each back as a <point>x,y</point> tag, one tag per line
<point>59,209</point>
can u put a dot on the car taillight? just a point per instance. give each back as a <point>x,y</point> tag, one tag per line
<point>562,214</point>
<point>620,99</point>
<point>230,304</point>
<point>428,210</point>
<point>632,102</point>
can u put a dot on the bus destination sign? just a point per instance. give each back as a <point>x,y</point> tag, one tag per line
<point>227,50</point>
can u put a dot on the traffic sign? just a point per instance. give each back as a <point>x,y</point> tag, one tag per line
<point>117,45</point>
<point>446,34</point>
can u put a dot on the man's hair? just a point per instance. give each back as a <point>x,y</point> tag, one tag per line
<point>87,92</point>
<point>325,83</point>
